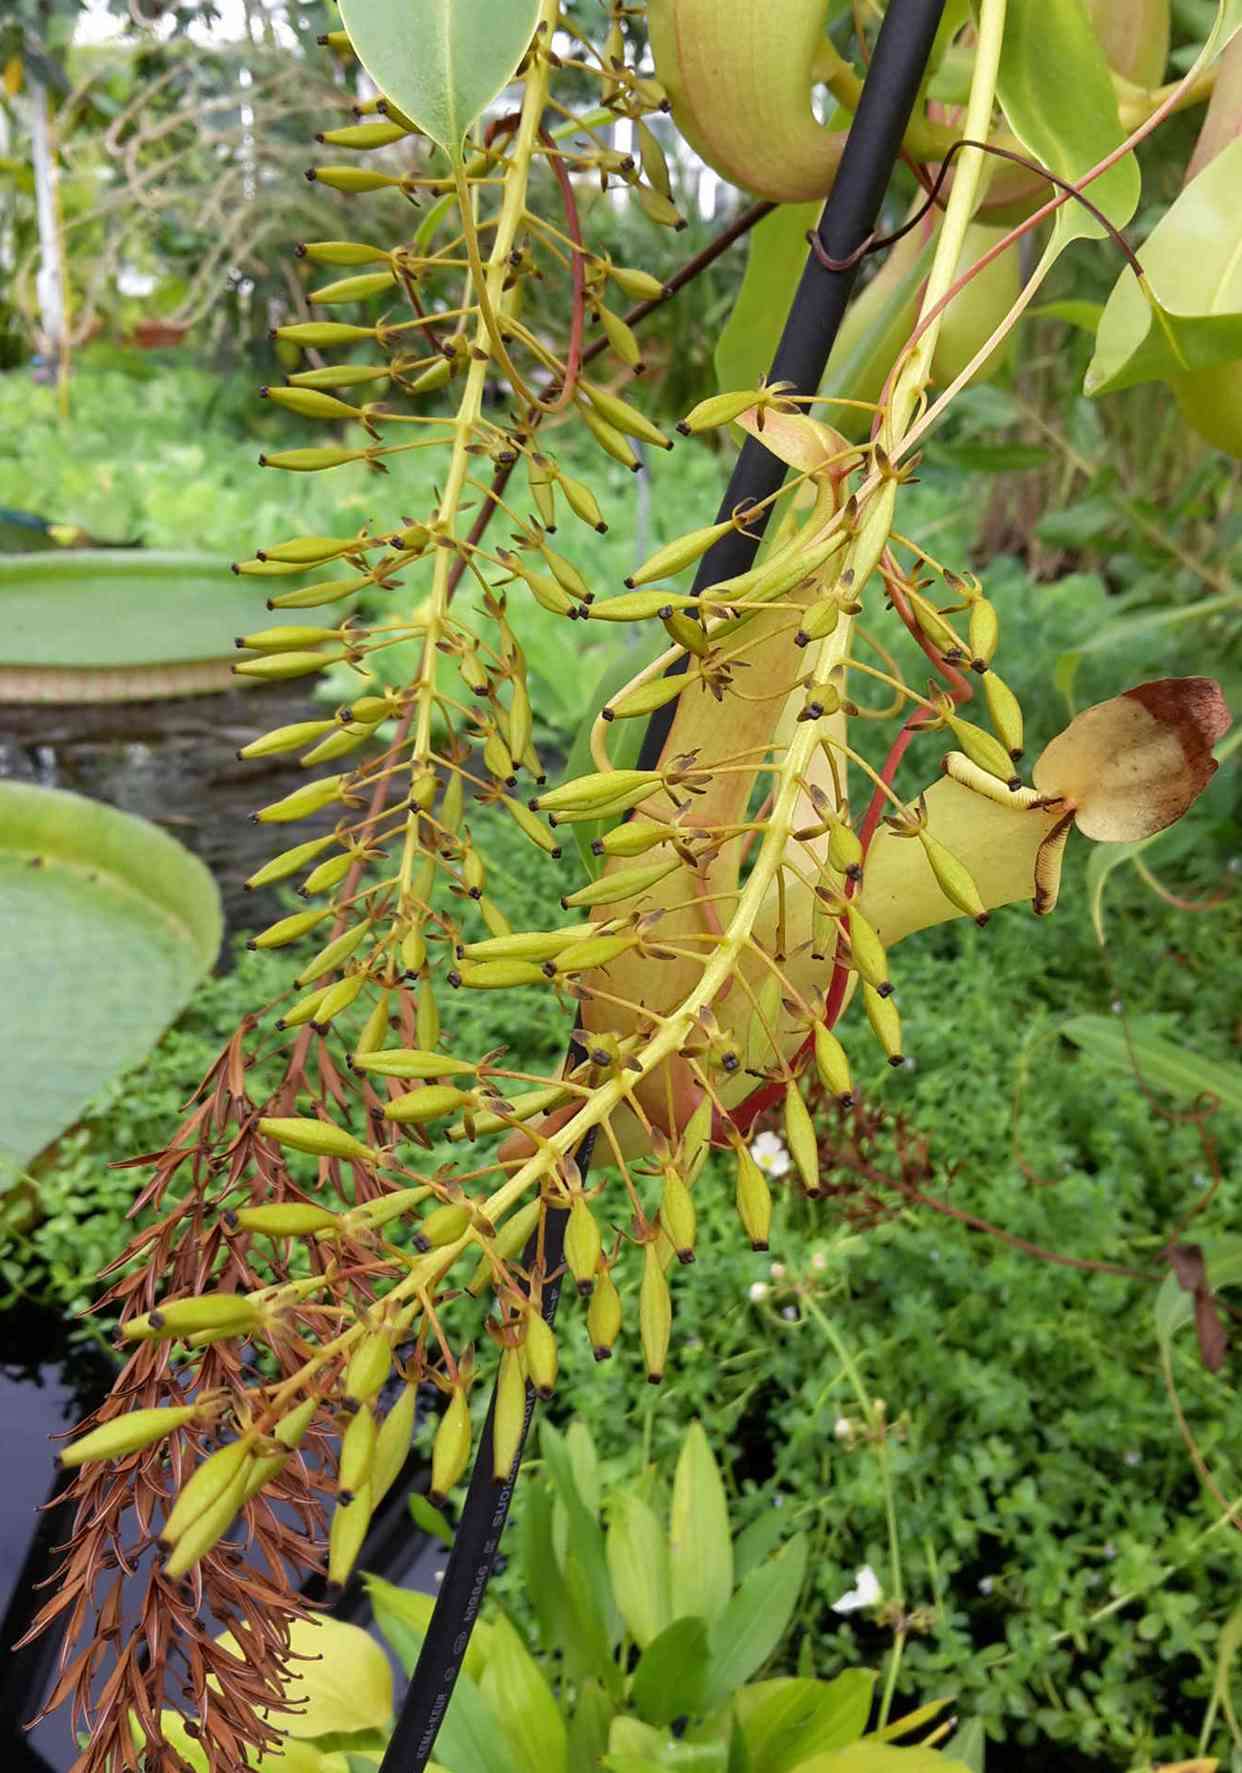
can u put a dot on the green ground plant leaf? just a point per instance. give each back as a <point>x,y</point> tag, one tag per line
<point>119,623</point>
<point>106,926</point>
<point>1058,95</point>
<point>441,61</point>
<point>1193,263</point>
<point>638,1564</point>
<point>868,1757</point>
<point>1162,1064</point>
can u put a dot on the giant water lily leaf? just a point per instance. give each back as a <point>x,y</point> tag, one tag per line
<point>1058,95</point>
<point>441,61</point>
<point>122,624</point>
<point>1193,263</point>
<point>106,926</point>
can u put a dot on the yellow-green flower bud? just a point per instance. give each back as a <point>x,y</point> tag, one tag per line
<point>340,252</point>
<point>885,1023</point>
<point>416,1107</point>
<point>319,1138</point>
<point>450,1450</point>
<point>277,666</point>
<point>288,738</point>
<point>655,1314</point>
<point>443,1225</point>
<point>339,949</point>
<point>363,135</point>
<point>302,802</point>
<point>321,335</point>
<point>229,1313</point>
<point>392,1443</point>
<point>204,1488</point>
<point>539,1349</point>
<point>832,1065</point>
<point>350,1521</point>
<point>413,1062</point>
<point>209,1527</point>
<point>287,929</point>
<point>1005,713</point>
<point>627,883</point>
<point>754,1200</point>
<point>509,1419</point>
<point>603,1314</point>
<point>290,1218</point>
<point>289,861</point>
<point>369,1367</point>
<point>678,1216</point>
<point>800,1137</point>
<point>357,1451</point>
<point>311,461</point>
<point>354,289</point>
<point>583,1245</point>
<point>128,1433</point>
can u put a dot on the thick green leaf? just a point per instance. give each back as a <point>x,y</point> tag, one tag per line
<point>700,1549</point>
<point>754,1622</point>
<point>869,1757</point>
<point>633,1745</point>
<point>639,1567</point>
<point>756,1542</point>
<point>786,1721</point>
<point>106,926</point>
<point>774,260</point>
<point>1163,1064</point>
<point>1175,1307</point>
<point>1058,95</point>
<point>1193,263</point>
<point>670,1679</point>
<point>523,1704</point>
<point>117,623</point>
<point>440,61</point>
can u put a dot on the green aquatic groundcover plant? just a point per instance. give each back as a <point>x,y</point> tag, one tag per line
<point>756,867</point>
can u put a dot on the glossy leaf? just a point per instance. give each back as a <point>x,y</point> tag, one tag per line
<point>1193,263</point>
<point>1162,1064</point>
<point>784,1721</point>
<point>670,1679</point>
<point>755,1620</point>
<point>700,1548</point>
<point>429,1518</point>
<point>638,1564</point>
<point>441,61</point>
<point>106,926</point>
<point>774,260</point>
<point>523,1703</point>
<point>118,624</point>
<point>1057,94</point>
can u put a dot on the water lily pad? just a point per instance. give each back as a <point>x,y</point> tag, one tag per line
<point>106,926</point>
<point>120,624</point>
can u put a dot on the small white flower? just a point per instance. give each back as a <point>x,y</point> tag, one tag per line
<point>986,1585</point>
<point>866,1593</point>
<point>759,1291</point>
<point>768,1151</point>
<point>843,1428</point>
<point>1132,1456</point>
<point>819,1261</point>
<point>790,1312</point>
<point>777,1271</point>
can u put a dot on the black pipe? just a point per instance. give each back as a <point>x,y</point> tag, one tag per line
<point>871,149</point>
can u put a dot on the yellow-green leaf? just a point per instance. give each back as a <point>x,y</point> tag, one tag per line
<point>700,1549</point>
<point>343,1685</point>
<point>638,1564</point>
<point>523,1703</point>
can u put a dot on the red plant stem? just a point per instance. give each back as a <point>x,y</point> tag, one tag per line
<point>573,359</point>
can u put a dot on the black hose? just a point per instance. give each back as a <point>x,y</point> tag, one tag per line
<point>871,149</point>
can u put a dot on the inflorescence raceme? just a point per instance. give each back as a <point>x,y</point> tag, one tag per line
<point>348,1206</point>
